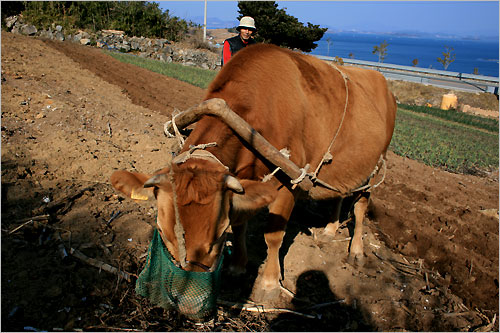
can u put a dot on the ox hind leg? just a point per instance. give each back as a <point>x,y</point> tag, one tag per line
<point>332,227</point>
<point>356,254</point>
<point>279,213</point>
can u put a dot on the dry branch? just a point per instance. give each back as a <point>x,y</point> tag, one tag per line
<point>100,264</point>
<point>261,309</point>
<point>488,327</point>
<point>30,220</point>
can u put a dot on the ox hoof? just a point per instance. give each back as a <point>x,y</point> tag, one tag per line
<point>331,229</point>
<point>356,259</point>
<point>266,296</point>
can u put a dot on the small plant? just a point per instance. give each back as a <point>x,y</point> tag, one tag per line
<point>415,62</point>
<point>339,61</point>
<point>448,57</point>
<point>351,55</point>
<point>328,42</point>
<point>476,71</point>
<point>381,50</point>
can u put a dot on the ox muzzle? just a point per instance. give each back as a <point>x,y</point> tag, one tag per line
<point>166,284</point>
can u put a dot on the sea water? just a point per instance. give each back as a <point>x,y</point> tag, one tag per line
<point>479,55</point>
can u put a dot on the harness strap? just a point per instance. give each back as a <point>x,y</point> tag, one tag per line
<point>178,228</point>
<point>199,153</point>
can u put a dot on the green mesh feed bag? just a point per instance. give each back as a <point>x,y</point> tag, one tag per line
<point>194,294</point>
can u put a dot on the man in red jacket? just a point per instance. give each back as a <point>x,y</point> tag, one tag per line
<point>232,45</point>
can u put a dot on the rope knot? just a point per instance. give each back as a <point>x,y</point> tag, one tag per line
<point>302,175</point>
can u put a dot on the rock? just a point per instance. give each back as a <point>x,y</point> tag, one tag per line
<point>10,21</point>
<point>59,36</point>
<point>134,45</point>
<point>47,34</point>
<point>85,41</point>
<point>28,30</point>
<point>409,249</point>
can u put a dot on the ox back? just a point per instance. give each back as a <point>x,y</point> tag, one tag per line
<point>297,102</point>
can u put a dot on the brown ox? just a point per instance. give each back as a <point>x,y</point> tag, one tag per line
<point>294,101</point>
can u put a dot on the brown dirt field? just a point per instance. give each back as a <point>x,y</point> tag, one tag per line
<point>72,115</point>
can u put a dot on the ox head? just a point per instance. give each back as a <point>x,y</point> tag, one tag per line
<point>199,195</point>
<point>195,199</point>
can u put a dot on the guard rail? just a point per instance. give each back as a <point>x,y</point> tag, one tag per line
<point>439,78</point>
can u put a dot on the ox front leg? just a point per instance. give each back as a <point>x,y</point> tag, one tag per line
<point>239,258</point>
<point>279,213</point>
<point>356,255</point>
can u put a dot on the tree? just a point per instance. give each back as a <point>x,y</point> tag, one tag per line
<point>448,57</point>
<point>135,18</point>
<point>328,42</point>
<point>351,55</point>
<point>415,62</point>
<point>275,26</point>
<point>381,50</point>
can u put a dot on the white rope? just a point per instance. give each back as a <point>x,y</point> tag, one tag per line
<point>285,152</point>
<point>302,175</point>
<point>327,157</point>
<point>177,134</point>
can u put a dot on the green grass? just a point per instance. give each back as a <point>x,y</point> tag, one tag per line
<point>196,76</point>
<point>489,124</point>
<point>455,141</point>
<point>453,146</point>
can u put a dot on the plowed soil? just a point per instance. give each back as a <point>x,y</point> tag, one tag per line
<point>71,115</point>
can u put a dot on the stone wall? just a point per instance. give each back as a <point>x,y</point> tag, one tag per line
<point>158,49</point>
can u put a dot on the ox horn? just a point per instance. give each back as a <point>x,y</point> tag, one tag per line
<point>219,108</point>
<point>234,184</point>
<point>155,180</point>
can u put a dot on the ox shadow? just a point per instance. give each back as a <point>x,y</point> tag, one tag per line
<point>307,214</point>
<point>314,298</point>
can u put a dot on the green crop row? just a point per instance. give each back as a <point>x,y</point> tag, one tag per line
<point>438,143</point>
<point>489,124</point>
<point>195,76</point>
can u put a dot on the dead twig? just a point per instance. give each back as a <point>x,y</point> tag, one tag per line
<point>396,268</point>
<point>100,264</point>
<point>109,328</point>
<point>30,220</point>
<point>67,199</point>
<point>261,309</point>
<point>322,305</point>
<point>488,327</point>
<point>62,248</point>
<point>457,314</point>
<point>113,217</point>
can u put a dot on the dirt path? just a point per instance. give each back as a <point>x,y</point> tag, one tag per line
<point>71,115</point>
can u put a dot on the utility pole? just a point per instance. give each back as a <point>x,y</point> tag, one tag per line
<point>205,24</point>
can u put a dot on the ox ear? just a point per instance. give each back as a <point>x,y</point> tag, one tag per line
<point>132,185</point>
<point>256,195</point>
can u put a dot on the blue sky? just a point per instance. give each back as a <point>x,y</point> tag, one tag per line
<point>460,18</point>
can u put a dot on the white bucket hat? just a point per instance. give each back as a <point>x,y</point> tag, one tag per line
<point>247,22</point>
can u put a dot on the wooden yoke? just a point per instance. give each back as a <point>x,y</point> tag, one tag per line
<point>219,108</point>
